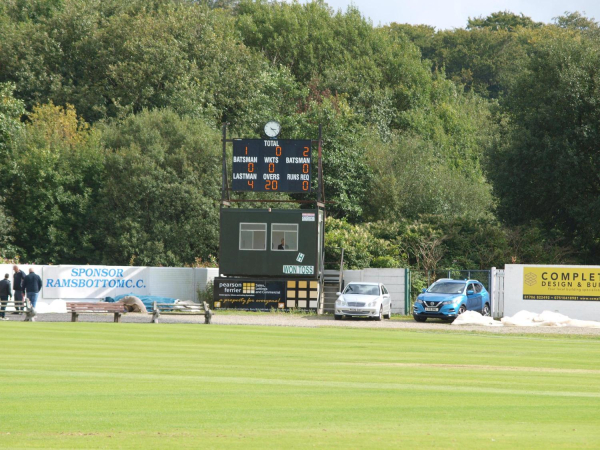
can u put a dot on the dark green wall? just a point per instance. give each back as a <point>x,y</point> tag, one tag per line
<point>233,261</point>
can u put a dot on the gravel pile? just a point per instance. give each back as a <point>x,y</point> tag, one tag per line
<point>293,320</point>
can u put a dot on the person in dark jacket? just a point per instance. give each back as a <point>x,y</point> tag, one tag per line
<point>5,293</point>
<point>18,281</point>
<point>33,286</point>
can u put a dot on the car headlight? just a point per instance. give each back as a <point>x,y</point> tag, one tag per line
<point>453,301</point>
<point>372,304</point>
<point>341,302</point>
<point>419,302</point>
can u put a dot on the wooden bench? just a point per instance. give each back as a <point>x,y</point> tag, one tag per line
<point>24,305</point>
<point>181,309</point>
<point>76,308</point>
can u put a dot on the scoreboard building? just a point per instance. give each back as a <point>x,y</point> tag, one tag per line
<point>259,242</point>
<point>270,258</point>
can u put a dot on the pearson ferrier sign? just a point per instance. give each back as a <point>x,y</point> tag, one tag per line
<point>561,283</point>
<point>248,293</point>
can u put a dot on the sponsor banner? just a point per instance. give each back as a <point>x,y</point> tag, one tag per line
<point>308,217</point>
<point>93,281</point>
<point>561,283</point>
<point>248,294</point>
<point>298,270</point>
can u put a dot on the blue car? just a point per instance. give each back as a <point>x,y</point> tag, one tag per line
<point>446,299</point>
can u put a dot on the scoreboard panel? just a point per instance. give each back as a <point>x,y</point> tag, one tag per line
<point>271,165</point>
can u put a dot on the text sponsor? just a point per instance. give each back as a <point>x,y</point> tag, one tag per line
<point>93,281</point>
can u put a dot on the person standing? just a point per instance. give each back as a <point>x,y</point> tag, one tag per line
<point>33,286</point>
<point>5,293</point>
<point>18,286</point>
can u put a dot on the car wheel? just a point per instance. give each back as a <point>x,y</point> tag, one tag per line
<point>389,314</point>
<point>338,317</point>
<point>380,316</point>
<point>486,310</point>
<point>462,309</point>
<point>419,319</point>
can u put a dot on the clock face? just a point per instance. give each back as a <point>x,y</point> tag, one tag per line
<point>272,128</point>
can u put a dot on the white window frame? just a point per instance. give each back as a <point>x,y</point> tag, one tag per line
<point>284,231</point>
<point>240,237</point>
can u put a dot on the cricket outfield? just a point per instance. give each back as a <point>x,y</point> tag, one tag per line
<point>91,385</point>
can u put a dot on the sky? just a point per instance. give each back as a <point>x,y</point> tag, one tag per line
<point>445,14</point>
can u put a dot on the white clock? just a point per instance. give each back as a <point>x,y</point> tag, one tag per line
<point>272,128</point>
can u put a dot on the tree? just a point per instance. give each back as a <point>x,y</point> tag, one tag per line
<point>575,21</point>
<point>545,166</point>
<point>52,184</point>
<point>502,20</point>
<point>11,110</point>
<point>409,180</point>
<point>114,57</point>
<point>158,202</point>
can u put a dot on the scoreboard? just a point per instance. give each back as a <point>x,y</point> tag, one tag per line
<point>264,165</point>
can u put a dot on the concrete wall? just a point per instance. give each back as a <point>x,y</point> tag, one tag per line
<point>183,282</point>
<point>514,302</point>
<point>393,279</point>
<point>175,282</point>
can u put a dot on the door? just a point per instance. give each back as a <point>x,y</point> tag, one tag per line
<point>471,297</point>
<point>474,300</point>
<point>387,301</point>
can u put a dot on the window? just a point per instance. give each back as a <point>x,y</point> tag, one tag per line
<point>362,289</point>
<point>478,288</point>
<point>384,290</point>
<point>451,287</point>
<point>471,287</point>
<point>284,236</point>
<point>253,236</point>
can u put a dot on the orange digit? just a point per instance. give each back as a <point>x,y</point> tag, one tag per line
<point>268,185</point>
<point>246,150</point>
<point>306,151</point>
<point>277,151</point>
<point>271,167</point>
<point>251,184</point>
<point>274,185</point>
<point>250,167</point>
<point>305,185</point>
<point>304,168</point>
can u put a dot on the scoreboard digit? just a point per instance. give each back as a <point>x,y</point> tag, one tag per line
<point>271,165</point>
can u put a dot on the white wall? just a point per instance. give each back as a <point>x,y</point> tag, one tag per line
<point>393,279</point>
<point>514,302</point>
<point>174,282</point>
<point>183,282</point>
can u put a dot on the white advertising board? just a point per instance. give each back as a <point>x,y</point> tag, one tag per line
<point>573,291</point>
<point>76,282</point>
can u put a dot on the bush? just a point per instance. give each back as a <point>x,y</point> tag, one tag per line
<point>206,294</point>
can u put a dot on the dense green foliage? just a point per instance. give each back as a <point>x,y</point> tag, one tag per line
<point>110,115</point>
<point>161,185</point>
<point>106,385</point>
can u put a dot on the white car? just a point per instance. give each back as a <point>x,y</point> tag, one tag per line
<point>361,299</point>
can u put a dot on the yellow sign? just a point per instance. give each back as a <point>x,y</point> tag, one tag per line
<point>561,283</point>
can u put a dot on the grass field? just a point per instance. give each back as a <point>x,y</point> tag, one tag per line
<point>158,386</point>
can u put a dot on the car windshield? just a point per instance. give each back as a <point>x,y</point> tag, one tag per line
<point>362,289</point>
<point>447,288</point>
